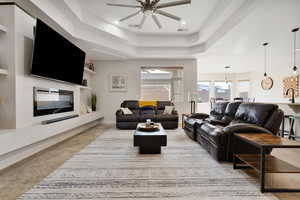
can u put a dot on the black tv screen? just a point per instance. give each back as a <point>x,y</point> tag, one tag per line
<point>55,57</point>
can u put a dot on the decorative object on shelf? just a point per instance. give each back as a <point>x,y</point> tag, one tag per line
<point>118,82</point>
<point>267,82</point>
<point>85,82</point>
<point>295,68</point>
<point>83,109</point>
<point>94,102</point>
<point>90,66</point>
<point>291,82</point>
<point>89,109</point>
<point>151,9</point>
<point>226,73</point>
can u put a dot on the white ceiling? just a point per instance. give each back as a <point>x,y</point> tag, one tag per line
<point>193,14</point>
<point>222,32</point>
<point>272,22</point>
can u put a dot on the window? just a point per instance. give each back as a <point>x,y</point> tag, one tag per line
<point>162,83</point>
<point>223,90</point>
<point>160,91</point>
<point>244,87</point>
<point>203,91</point>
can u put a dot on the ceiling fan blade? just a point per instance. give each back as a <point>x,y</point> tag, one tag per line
<point>155,19</point>
<point>142,22</point>
<point>129,16</point>
<point>123,5</point>
<point>175,3</point>
<point>154,2</point>
<point>166,14</point>
<point>141,2</point>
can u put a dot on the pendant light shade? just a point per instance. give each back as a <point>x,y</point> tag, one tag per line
<point>295,68</point>
<point>226,73</point>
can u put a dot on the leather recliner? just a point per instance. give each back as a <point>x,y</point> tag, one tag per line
<point>168,121</point>
<point>249,118</point>
<point>216,114</point>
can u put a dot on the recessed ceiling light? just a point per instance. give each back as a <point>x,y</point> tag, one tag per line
<point>183,22</point>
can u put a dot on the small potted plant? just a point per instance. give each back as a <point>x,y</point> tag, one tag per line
<point>94,102</point>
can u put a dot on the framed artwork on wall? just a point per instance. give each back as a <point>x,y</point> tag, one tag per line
<point>118,82</point>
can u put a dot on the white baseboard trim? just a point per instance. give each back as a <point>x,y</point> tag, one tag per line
<point>11,158</point>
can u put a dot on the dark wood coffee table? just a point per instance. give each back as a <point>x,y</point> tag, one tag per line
<point>150,142</point>
<point>265,163</point>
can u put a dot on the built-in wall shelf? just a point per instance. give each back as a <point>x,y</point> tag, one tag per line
<point>85,88</point>
<point>3,28</point>
<point>3,72</point>
<point>87,70</point>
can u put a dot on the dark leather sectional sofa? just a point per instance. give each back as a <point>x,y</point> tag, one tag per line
<point>215,131</point>
<point>141,114</point>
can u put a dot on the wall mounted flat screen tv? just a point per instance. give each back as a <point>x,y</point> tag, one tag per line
<point>55,57</point>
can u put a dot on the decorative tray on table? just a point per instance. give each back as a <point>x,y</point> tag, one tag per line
<point>148,128</point>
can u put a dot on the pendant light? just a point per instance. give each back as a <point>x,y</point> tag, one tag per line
<point>226,74</point>
<point>295,68</point>
<point>266,63</point>
<point>267,82</point>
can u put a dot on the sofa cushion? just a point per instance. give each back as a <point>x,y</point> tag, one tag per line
<point>144,117</point>
<point>212,133</point>
<point>230,112</point>
<point>166,117</point>
<point>147,110</point>
<point>218,110</point>
<point>161,104</point>
<point>254,113</point>
<point>128,118</point>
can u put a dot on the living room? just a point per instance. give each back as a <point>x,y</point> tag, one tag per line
<point>149,99</point>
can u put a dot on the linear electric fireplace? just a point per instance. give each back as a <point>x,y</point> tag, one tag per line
<point>52,101</point>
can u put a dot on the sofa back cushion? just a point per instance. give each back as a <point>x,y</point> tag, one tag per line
<point>230,111</point>
<point>218,110</point>
<point>147,110</point>
<point>161,104</point>
<point>254,113</point>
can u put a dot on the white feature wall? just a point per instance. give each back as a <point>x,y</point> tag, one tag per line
<point>17,88</point>
<point>109,102</point>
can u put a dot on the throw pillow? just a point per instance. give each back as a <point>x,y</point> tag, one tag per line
<point>168,110</point>
<point>126,111</point>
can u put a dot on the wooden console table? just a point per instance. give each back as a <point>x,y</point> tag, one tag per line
<point>264,163</point>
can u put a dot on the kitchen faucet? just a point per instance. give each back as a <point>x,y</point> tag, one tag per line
<point>293,94</point>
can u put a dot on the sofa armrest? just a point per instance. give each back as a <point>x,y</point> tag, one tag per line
<point>242,146</point>
<point>217,122</point>
<point>199,115</point>
<point>174,112</point>
<point>119,112</point>
<point>245,128</point>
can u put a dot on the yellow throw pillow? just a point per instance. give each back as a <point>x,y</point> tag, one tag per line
<point>147,103</point>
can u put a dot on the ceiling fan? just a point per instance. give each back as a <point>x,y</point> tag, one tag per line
<point>151,8</point>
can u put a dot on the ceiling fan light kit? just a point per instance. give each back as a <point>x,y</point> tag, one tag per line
<point>152,8</point>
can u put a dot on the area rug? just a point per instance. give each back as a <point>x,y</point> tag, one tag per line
<point>111,168</point>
